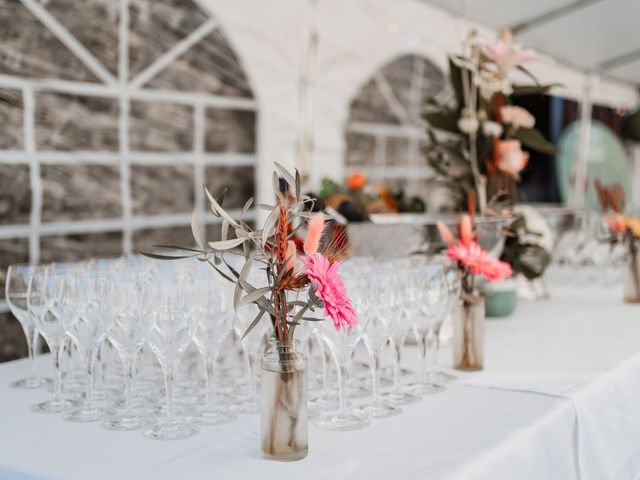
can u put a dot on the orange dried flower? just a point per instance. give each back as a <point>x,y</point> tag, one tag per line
<point>356,181</point>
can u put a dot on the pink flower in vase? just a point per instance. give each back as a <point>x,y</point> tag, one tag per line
<point>468,253</point>
<point>328,286</point>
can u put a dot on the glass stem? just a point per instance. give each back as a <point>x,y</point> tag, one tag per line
<point>396,362</point>
<point>326,380</point>
<point>56,352</point>
<point>89,364</point>
<point>128,366</point>
<point>342,386</point>
<point>210,378</point>
<point>30,334</point>
<point>431,353</point>
<point>253,389</point>
<point>375,357</point>
<point>422,344</point>
<point>169,381</point>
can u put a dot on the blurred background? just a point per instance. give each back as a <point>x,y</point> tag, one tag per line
<point>113,114</point>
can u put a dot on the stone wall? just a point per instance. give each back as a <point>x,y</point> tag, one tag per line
<point>385,133</point>
<point>87,169</point>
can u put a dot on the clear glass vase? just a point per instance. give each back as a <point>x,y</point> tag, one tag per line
<point>284,402</point>
<point>632,280</point>
<point>468,335</point>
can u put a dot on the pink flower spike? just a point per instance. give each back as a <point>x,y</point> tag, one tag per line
<point>445,233</point>
<point>328,286</point>
<point>314,234</point>
<point>290,256</point>
<point>466,235</point>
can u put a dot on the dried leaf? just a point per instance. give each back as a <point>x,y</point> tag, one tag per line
<point>156,256</point>
<point>215,206</point>
<point>284,173</point>
<point>224,235</point>
<point>227,244</point>
<point>178,247</point>
<point>269,224</point>
<point>298,189</point>
<point>247,206</point>
<point>253,296</point>
<point>253,323</point>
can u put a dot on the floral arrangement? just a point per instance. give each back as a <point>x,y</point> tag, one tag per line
<point>358,198</point>
<point>528,242</point>
<point>316,269</point>
<point>471,258</point>
<point>476,140</point>
<point>621,229</point>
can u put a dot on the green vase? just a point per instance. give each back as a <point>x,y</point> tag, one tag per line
<point>500,299</point>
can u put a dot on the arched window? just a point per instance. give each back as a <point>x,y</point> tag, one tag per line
<point>385,132</point>
<point>113,115</point>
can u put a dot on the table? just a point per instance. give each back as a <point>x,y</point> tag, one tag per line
<point>559,399</point>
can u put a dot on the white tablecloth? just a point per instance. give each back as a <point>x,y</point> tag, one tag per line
<point>559,399</point>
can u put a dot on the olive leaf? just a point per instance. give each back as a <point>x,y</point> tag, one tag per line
<point>195,230</point>
<point>254,296</point>
<point>216,208</point>
<point>226,244</point>
<point>253,323</point>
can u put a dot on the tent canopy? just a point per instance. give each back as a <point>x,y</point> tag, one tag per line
<point>601,36</point>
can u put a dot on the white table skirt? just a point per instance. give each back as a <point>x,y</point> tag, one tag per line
<point>559,399</point>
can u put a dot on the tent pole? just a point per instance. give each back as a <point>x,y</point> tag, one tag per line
<point>579,187</point>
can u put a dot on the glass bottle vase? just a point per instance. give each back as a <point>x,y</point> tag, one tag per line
<point>632,280</point>
<point>468,335</point>
<point>284,402</point>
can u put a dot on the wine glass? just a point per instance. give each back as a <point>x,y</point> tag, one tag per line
<point>83,325</point>
<point>401,395</point>
<point>213,328</point>
<point>383,319</point>
<point>121,304</point>
<point>430,297</point>
<point>169,305</point>
<point>251,344</point>
<point>44,295</point>
<point>342,343</point>
<point>16,286</point>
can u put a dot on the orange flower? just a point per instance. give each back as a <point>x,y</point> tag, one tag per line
<point>633,224</point>
<point>509,156</point>
<point>356,181</point>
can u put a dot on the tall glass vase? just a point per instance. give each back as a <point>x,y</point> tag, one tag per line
<point>468,336</point>
<point>632,280</point>
<point>284,402</point>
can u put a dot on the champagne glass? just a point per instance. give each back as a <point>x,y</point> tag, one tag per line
<point>342,343</point>
<point>124,325</point>
<point>44,295</point>
<point>212,330</point>
<point>16,294</point>
<point>429,299</point>
<point>383,319</point>
<point>251,344</point>
<point>171,328</point>
<point>83,325</point>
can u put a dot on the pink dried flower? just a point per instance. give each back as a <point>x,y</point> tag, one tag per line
<point>479,261</point>
<point>466,230</point>
<point>290,256</point>
<point>507,55</point>
<point>445,233</point>
<point>510,158</point>
<point>328,286</point>
<point>314,234</point>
